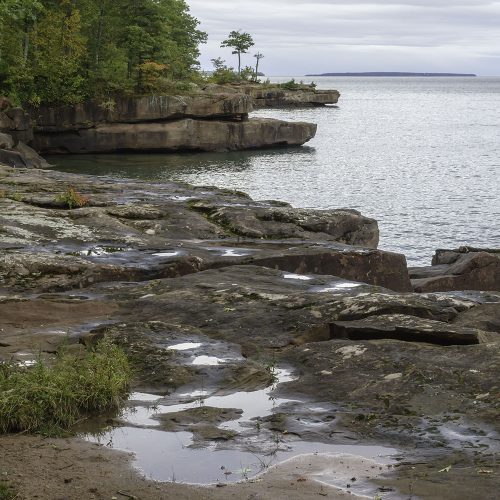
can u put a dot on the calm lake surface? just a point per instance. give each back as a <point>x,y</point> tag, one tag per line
<point>420,155</point>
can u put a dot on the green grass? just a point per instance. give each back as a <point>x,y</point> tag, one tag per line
<point>6,492</point>
<point>50,399</point>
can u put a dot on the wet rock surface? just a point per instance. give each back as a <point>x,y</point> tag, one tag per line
<point>256,329</point>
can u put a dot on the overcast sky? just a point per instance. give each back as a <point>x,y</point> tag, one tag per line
<point>299,37</point>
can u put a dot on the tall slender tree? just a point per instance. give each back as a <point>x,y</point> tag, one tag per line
<point>240,42</point>
<point>258,57</point>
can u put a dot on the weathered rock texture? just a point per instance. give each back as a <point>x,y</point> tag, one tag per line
<point>264,96</point>
<point>15,131</point>
<point>141,109</point>
<point>202,122</point>
<point>463,269</point>
<point>178,135</point>
<point>279,98</point>
<point>255,284</point>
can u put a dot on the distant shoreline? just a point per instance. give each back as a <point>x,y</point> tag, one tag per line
<point>395,74</point>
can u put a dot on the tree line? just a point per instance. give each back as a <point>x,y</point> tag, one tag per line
<point>66,51</point>
<point>69,50</point>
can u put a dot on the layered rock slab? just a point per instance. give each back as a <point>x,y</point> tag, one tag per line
<point>178,135</point>
<point>136,231</point>
<point>274,96</point>
<point>200,122</point>
<point>463,269</point>
<point>141,109</point>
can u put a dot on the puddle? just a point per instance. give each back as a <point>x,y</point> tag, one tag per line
<point>253,404</point>
<point>181,198</point>
<point>171,253</point>
<point>208,361</point>
<point>461,434</point>
<point>230,252</point>
<point>168,456</point>
<point>297,277</point>
<point>337,287</point>
<point>175,456</point>
<point>214,353</point>
<point>26,362</point>
<point>234,253</point>
<point>144,397</point>
<point>186,346</point>
<point>98,251</point>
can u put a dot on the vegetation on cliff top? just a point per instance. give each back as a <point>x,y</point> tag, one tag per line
<point>68,50</point>
<point>51,398</point>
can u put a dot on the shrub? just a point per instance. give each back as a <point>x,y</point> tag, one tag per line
<point>50,399</point>
<point>71,199</point>
<point>290,85</point>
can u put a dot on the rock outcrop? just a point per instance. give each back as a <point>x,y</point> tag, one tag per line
<point>178,135</point>
<point>245,289</point>
<point>274,96</point>
<point>203,122</point>
<point>280,98</point>
<point>463,269</point>
<point>141,110</point>
<point>15,131</point>
<point>124,238</point>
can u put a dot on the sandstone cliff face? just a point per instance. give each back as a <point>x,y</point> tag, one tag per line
<point>179,135</point>
<point>142,109</point>
<point>205,122</point>
<point>16,130</point>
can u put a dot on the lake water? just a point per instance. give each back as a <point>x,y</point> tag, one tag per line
<point>420,155</point>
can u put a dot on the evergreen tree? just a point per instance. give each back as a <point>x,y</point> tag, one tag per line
<point>240,42</point>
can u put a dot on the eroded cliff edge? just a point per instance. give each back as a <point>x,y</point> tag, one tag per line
<point>200,122</point>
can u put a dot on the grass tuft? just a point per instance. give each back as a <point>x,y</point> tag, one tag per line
<point>50,399</point>
<point>72,199</point>
<point>6,492</point>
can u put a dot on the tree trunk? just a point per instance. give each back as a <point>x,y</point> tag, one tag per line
<point>99,35</point>
<point>26,43</point>
<point>257,69</point>
<point>239,63</point>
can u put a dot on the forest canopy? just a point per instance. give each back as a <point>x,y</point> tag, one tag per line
<point>65,51</point>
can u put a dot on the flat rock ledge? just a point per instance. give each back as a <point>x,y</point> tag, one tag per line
<point>273,96</point>
<point>256,284</point>
<point>179,135</point>
<point>203,122</point>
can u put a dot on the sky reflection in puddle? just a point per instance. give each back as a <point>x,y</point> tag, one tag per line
<point>185,346</point>
<point>170,456</point>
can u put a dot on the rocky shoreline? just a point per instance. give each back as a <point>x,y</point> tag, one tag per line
<point>253,285</point>
<point>215,118</point>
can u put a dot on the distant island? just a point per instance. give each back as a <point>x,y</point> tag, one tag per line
<point>381,73</point>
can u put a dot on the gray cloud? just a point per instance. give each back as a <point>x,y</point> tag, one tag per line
<point>299,37</point>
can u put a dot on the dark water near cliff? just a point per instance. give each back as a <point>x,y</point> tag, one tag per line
<point>421,155</point>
